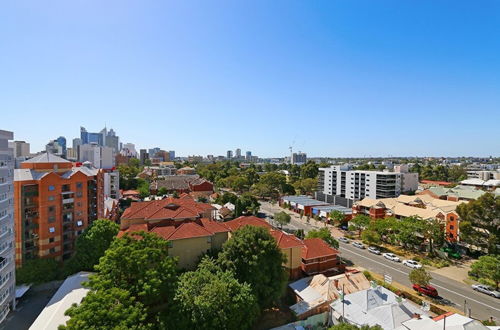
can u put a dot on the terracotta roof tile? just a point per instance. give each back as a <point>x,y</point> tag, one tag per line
<point>246,221</point>
<point>284,240</point>
<point>317,248</point>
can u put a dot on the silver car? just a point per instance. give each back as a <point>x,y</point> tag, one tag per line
<point>343,240</point>
<point>486,289</point>
<point>374,250</point>
<point>391,257</point>
<point>412,264</point>
<point>358,245</point>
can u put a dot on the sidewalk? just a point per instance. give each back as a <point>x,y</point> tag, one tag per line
<point>457,272</point>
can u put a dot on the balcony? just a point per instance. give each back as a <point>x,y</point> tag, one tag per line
<point>68,200</point>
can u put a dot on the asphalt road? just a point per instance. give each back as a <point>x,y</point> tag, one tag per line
<point>460,295</point>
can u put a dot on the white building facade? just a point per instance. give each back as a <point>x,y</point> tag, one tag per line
<point>341,180</point>
<point>7,257</point>
<point>100,157</point>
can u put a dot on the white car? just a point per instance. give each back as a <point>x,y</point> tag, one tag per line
<point>486,289</point>
<point>358,245</point>
<point>374,250</point>
<point>343,240</point>
<point>412,264</point>
<point>391,257</point>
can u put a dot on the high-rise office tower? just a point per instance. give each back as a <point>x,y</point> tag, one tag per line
<point>237,153</point>
<point>229,154</point>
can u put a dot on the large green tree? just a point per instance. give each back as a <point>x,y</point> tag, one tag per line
<point>306,186</point>
<point>360,222</point>
<point>480,222</point>
<point>128,174</point>
<point>254,257</point>
<point>36,271</point>
<point>210,298</point>
<point>325,235</point>
<point>91,245</point>
<point>107,309</point>
<point>337,216</point>
<point>139,264</point>
<point>488,268</point>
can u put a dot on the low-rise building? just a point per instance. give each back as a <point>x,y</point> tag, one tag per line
<point>301,204</point>
<point>424,206</point>
<point>182,184</point>
<point>374,306</point>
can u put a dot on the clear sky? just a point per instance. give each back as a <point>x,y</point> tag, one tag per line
<point>333,78</point>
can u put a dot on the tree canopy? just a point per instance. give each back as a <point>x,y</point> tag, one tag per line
<point>488,269</point>
<point>254,257</point>
<point>282,218</point>
<point>91,245</point>
<point>325,235</point>
<point>420,276</point>
<point>210,298</point>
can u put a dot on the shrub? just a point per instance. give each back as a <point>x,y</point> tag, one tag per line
<point>368,275</point>
<point>37,271</point>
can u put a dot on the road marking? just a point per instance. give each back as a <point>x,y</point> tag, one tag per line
<point>439,286</point>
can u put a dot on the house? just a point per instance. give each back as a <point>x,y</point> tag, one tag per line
<point>301,204</point>
<point>182,184</point>
<point>130,194</point>
<point>373,306</point>
<point>186,224</point>
<point>453,321</point>
<point>186,171</point>
<point>458,193</point>
<point>324,211</point>
<point>315,293</point>
<point>309,256</point>
<point>70,292</point>
<point>424,206</point>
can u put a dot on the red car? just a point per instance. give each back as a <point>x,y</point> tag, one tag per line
<point>427,290</point>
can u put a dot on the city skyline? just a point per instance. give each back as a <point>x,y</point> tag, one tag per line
<point>337,79</point>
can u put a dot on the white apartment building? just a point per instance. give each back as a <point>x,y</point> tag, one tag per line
<point>343,181</point>
<point>100,157</point>
<point>20,148</point>
<point>112,185</point>
<point>7,258</point>
<point>299,158</point>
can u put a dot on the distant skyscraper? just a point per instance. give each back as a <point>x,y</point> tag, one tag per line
<point>172,155</point>
<point>229,154</point>
<point>299,158</point>
<point>76,143</point>
<point>237,153</point>
<point>104,138</point>
<point>248,156</point>
<point>152,152</point>
<point>88,138</point>
<point>111,140</point>
<point>62,142</point>
<point>128,149</point>
<point>7,243</point>
<point>143,155</point>
<point>53,147</point>
<point>100,157</point>
<point>20,148</point>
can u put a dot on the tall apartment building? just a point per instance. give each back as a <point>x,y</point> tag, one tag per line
<point>104,138</point>
<point>143,155</point>
<point>54,202</point>
<point>229,154</point>
<point>171,154</point>
<point>237,153</point>
<point>248,156</point>
<point>299,158</point>
<point>100,157</point>
<point>20,148</point>
<point>7,259</point>
<point>354,185</point>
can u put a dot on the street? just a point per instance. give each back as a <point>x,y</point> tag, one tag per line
<point>463,297</point>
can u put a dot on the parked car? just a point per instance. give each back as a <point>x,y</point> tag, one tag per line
<point>426,289</point>
<point>343,240</point>
<point>358,245</point>
<point>374,250</point>
<point>391,257</point>
<point>486,289</point>
<point>412,264</point>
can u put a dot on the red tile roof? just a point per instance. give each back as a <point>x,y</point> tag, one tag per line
<point>317,248</point>
<point>188,229</point>
<point>246,221</point>
<point>284,240</point>
<point>168,208</point>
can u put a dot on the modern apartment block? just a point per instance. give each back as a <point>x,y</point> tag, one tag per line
<point>7,264</point>
<point>54,201</point>
<point>341,180</point>
<point>99,156</point>
<point>20,148</point>
<point>299,158</point>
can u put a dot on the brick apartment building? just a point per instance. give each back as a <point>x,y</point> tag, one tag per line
<point>54,201</point>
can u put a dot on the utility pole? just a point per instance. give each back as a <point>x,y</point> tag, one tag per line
<point>444,322</point>
<point>343,299</point>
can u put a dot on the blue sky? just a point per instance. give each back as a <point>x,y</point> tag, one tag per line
<point>333,78</point>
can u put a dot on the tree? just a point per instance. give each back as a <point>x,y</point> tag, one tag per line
<point>91,245</point>
<point>337,216</point>
<point>163,191</point>
<point>128,174</point>
<point>360,222</point>
<point>370,236</point>
<point>249,203</point>
<point>210,298</point>
<point>487,268</point>
<point>306,186</point>
<point>282,218</point>
<point>476,217</point>
<point>420,276</point>
<point>36,271</point>
<point>254,257</point>
<point>433,231</point>
<point>325,235</point>
<point>309,170</point>
<point>143,188</point>
<point>139,263</point>
<point>107,309</point>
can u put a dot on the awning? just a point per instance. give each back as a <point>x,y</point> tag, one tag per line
<point>21,290</point>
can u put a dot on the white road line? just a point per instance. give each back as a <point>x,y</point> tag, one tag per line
<point>439,286</point>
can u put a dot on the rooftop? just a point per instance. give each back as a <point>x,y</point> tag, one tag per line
<point>47,158</point>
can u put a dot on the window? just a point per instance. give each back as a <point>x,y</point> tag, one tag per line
<point>79,185</point>
<point>452,218</point>
<point>51,209</point>
<point>79,223</point>
<point>52,250</point>
<point>52,230</point>
<point>51,198</point>
<point>52,218</point>
<point>451,227</point>
<point>52,240</point>
<point>52,188</point>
